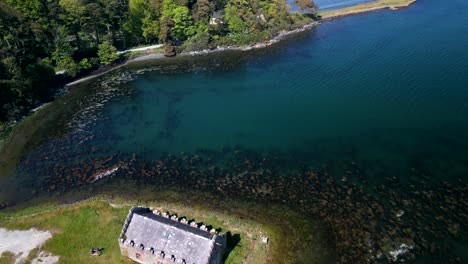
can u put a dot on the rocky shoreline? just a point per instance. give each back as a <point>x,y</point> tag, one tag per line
<point>218,49</point>
<point>261,45</point>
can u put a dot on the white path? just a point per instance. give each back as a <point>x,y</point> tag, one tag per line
<point>141,49</point>
<point>21,242</point>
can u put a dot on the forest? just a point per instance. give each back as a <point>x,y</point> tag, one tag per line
<point>41,37</point>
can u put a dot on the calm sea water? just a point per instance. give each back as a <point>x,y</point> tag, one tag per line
<point>386,89</point>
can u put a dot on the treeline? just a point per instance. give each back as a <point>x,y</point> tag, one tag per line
<point>41,37</point>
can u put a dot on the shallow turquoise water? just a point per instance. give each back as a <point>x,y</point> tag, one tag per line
<point>387,90</point>
<point>387,86</point>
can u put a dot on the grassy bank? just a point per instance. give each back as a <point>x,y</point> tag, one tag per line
<point>365,7</point>
<point>97,223</point>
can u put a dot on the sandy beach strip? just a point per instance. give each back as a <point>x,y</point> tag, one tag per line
<point>366,7</point>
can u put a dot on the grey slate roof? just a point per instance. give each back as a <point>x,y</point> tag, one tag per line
<point>174,238</point>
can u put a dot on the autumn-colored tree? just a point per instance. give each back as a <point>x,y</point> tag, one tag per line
<point>202,9</point>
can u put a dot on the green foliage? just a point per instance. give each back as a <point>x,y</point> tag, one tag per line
<point>198,42</point>
<point>183,24</point>
<point>68,65</point>
<point>136,12</point>
<point>238,12</point>
<point>85,64</point>
<point>168,8</point>
<point>150,27</point>
<point>107,53</point>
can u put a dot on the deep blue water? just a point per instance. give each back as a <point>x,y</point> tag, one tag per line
<point>386,90</point>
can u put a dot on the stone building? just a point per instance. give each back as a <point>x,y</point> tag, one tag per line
<point>159,238</point>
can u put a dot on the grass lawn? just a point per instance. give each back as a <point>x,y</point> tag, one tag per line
<point>97,223</point>
<point>364,7</point>
<point>76,229</point>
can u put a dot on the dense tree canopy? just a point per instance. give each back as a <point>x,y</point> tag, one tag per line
<point>41,37</point>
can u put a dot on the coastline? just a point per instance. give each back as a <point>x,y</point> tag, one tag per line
<point>326,15</point>
<point>158,56</point>
<point>100,212</point>
<point>366,7</point>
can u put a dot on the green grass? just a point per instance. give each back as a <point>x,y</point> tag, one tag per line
<point>76,229</point>
<point>7,258</point>
<point>95,223</point>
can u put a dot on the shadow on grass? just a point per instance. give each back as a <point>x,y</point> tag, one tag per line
<point>314,16</point>
<point>232,243</point>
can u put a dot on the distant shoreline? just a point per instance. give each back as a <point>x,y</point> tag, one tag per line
<point>366,7</point>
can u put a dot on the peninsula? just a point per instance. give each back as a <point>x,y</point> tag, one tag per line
<point>366,7</point>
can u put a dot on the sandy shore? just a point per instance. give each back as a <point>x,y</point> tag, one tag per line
<point>366,7</point>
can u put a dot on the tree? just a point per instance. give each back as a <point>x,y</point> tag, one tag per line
<point>107,53</point>
<point>85,64</point>
<point>167,9</point>
<point>68,65</point>
<point>63,49</point>
<point>150,27</point>
<point>306,5</point>
<point>202,9</point>
<point>241,16</point>
<point>165,30</point>
<point>183,24</point>
<point>136,11</point>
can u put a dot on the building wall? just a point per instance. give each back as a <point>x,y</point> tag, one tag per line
<point>144,257</point>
